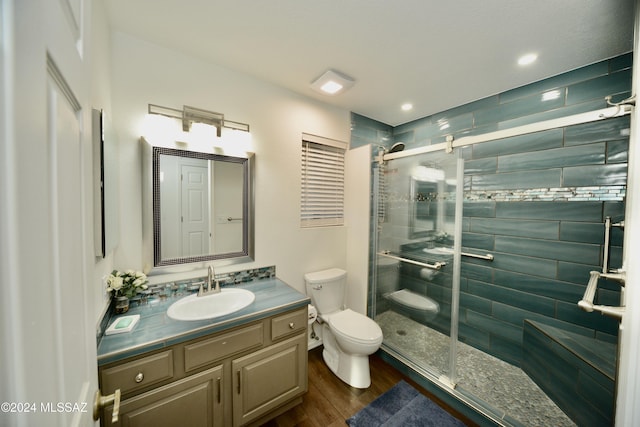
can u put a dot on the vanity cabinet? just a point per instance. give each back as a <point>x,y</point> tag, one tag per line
<point>241,376</point>
<point>193,401</point>
<point>268,378</point>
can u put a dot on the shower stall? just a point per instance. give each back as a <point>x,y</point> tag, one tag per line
<point>478,261</point>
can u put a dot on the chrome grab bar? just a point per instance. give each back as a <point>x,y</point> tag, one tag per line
<point>488,257</point>
<point>436,266</point>
<point>586,303</point>
<point>449,251</point>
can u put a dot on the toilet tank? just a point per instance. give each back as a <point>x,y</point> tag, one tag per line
<point>326,289</point>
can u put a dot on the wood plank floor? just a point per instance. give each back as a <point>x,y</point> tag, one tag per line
<point>329,401</point>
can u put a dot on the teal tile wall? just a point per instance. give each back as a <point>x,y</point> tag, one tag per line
<point>543,250</point>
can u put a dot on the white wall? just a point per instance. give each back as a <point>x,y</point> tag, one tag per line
<point>145,73</point>
<point>100,93</point>
<point>357,195</point>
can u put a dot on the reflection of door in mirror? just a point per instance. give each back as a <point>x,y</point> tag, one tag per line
<point>195,206</point>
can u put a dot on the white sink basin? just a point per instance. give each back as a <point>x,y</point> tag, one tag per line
<point>193,307</point>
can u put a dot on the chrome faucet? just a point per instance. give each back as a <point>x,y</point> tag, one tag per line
<point>211,277</point>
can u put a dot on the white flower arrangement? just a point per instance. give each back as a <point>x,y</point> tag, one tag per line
<point>127,283</point>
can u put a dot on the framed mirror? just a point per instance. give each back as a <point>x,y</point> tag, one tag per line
<point>431,211</point>
<point>198,207</point>
<point>424,215</point>
<point>106,187</point>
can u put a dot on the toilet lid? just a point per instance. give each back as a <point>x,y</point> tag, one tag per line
<point>355,326</point>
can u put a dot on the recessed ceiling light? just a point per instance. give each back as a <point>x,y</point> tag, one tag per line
<point>527,59</point>
<point>407,106</point>
<point>332,83</point>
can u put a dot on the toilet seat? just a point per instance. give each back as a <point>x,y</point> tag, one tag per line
<point>355,327</point>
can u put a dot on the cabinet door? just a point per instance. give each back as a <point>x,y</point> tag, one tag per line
<point>266,379</point>
<point>193,401</point>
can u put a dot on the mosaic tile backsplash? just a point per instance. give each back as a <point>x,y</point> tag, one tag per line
<point>536,202</point>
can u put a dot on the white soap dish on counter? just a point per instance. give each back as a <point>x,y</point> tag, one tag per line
<point>122,324</point>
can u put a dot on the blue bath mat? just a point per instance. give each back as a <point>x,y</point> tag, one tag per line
<point>402,405</point>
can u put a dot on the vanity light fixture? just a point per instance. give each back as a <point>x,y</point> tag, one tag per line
<point>192,115</point>
<point>332,82</point>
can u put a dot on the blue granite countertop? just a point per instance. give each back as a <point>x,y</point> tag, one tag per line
<point>156,330</point>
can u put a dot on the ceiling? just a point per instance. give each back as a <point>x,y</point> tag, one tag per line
<point>433,54</point>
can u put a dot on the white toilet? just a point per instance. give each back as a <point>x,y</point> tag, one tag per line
<point>348,337</point>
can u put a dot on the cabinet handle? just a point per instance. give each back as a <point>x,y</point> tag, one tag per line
<point>100,401</point>
<point>139,377</point>
<point>292,325</point>
<point>219,383</point>
<point>239,380</point>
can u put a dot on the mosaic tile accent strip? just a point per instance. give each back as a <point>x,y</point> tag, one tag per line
<point>612,193</point>
<point>565,194</point>
<point>242,276</point>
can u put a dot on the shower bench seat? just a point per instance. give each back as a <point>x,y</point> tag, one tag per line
<point>577,372</point>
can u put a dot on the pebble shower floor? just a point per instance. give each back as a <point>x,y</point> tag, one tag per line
<point>500,385</point>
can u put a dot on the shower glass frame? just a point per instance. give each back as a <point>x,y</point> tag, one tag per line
<point>418,196</point>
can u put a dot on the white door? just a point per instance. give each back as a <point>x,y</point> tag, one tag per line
<point>195,210</point>
<point>68,251</point>
<point>48,316</point>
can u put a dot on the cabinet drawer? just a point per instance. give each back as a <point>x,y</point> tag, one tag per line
<point>207,351</point>
<point>289,323</point>
<point>137,374</point>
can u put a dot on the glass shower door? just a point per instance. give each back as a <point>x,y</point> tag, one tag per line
<point>416,256</point>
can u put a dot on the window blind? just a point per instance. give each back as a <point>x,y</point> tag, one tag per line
<point>322,198</point>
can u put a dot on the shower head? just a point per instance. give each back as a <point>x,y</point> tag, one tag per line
<point>398,146</point>
<point>395,148</point>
